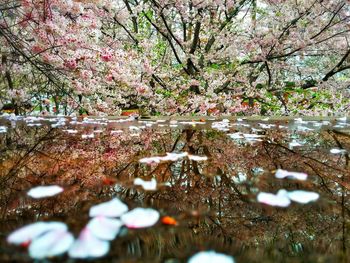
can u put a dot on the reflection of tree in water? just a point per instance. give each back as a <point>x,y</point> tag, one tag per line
<point>213,201</point>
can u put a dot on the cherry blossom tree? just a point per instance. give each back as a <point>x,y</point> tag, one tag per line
<point>176,57</point>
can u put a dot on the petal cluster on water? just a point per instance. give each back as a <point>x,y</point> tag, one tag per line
<point>29,232</point>
<point>46,239</point>
<point>104,226</point>
<point>283,198</point>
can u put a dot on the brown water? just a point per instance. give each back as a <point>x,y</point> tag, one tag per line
<point>214,202</point>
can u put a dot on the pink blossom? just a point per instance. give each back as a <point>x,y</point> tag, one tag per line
<point>70,64</point>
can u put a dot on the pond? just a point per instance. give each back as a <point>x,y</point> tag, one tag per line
<point>255,190</point>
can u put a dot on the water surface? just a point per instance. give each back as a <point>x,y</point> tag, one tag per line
<point>213,201</point>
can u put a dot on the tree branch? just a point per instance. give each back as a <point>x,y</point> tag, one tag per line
<point>338,67</point>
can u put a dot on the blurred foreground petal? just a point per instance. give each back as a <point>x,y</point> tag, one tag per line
<point>104,228</point>
<point>303,197</point>
<point>45,191</point>
<point>140,217</point>
<point>210,257</point>
<point>28,233</point>
<point>280,199</point>
<point>51,244</point>
<point>197,158</point>
<point>280,174</point>
<point>88,246</point>
<point>146,185</point>
<point>113,208</point>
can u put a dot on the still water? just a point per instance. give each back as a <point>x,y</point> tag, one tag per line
<point>263,190</point>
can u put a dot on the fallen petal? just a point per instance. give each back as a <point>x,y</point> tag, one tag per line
<point>104,228</point>
<point>3,129</point>
<point>71,131</point>
<point>174,156</point>
<point>236,135</point>
<point>51,244</point>
<point>337,151</point>
<point>113,208</point>
<point>303,197</point>
<point>87,136</point>
<point>150,160</point>
<point>294,144</point>
<point>88,246</point>
<point>252,136</point>
<point>45,191</point>
<point>280,199</point>
<point>146,185</point>
<point>197,158</point>
<point>28,233</point>
<point>140,217</point>
<point>293,175</point>
<point>209,257</point>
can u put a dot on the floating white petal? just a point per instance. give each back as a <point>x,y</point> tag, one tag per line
<point>104,228</point>
<point>174,156</point>
<point>116,131</point>
<point>70,131</point>
<point>88,246</point>
<point>3,129</point>
<point>45,191</point>
<point>294,144</point>
<point>337,151</point>
<point>252,135</point>
<point>293,175</point>
<point>150,160</point>
<point>87,136</point>
<point>210,257</point>
<point>51,244</point>
<point>280,199</point>
<point>236,135</point>
<point>303,128</point>
<point>266,126</point>
<point>303,197</point>
<point>197,158</point>
<point>169,157</point>
<point>140,217</point>
<point>112,208</point>
<point>27,233</point>
<point>146,185</point>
